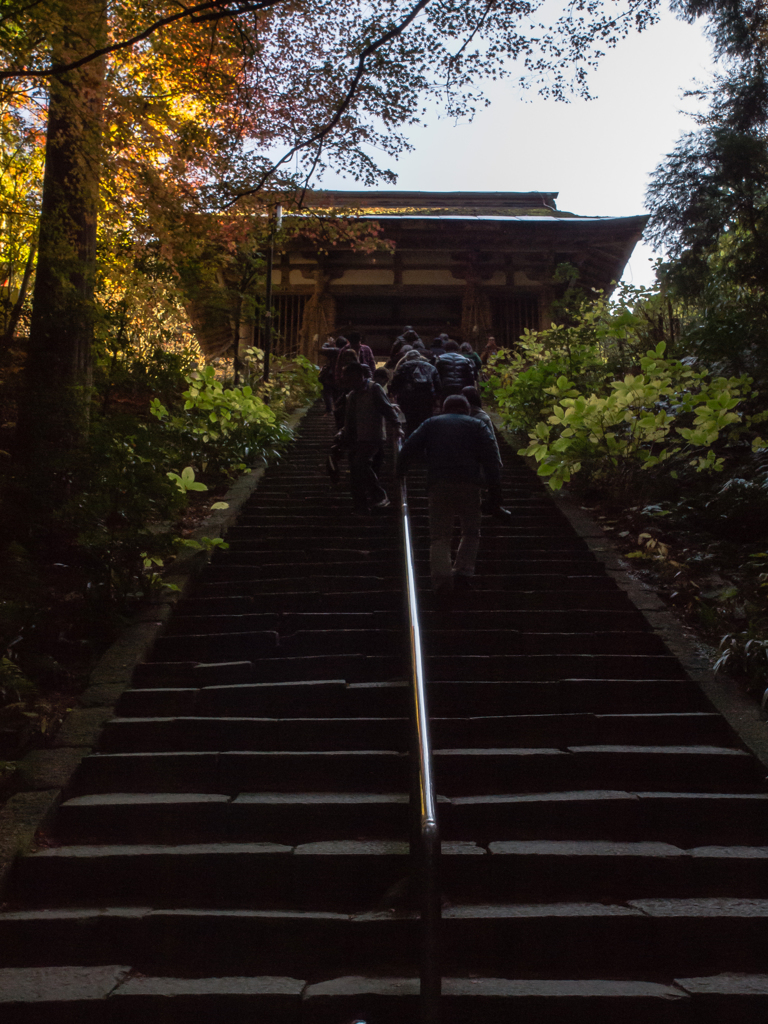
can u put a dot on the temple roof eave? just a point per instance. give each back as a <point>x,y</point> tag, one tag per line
<point>521,218</point>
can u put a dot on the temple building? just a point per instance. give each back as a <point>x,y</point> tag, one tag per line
<point>470,264</point>
<point>467,263</point>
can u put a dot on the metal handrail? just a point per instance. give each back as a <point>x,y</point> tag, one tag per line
<point>425,835</point>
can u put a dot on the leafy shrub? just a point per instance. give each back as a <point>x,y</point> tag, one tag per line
<point>600,340</point>
<point>219,430</point>
<point>129,375</point>
<point>14,685</point>
<point>25,715</point>
<point>132,483</point>
<point>520,380</point>
<point>637,424</point>
<point>739,509</point>
<point>744,654</point>
<point>293,381</point>
<point>159,431</point>
<point>122,506</point>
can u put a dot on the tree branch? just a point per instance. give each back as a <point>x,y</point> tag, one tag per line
<point>322,132</point>
<point>15,312</point>
<point>218,9</point>
<point>11,15</point>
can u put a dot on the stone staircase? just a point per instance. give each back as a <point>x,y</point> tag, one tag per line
<point>237,849</point>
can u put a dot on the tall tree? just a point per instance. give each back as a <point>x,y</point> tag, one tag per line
<point>709,197</point>
<point>58,369</point>
<point>716,178</point>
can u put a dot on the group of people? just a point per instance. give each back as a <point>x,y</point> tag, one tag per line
<point>418,378</point>
<point>437,408</point>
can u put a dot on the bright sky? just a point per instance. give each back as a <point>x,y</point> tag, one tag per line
<point>597,154</point>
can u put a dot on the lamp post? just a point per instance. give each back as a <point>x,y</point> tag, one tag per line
<point>275,225</point>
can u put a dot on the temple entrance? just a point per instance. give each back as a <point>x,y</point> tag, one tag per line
<point>382,318</point>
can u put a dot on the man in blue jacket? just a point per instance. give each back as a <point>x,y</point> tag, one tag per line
<point>459,452</point>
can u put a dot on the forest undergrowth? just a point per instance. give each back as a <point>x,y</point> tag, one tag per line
<point>661,441</point>
<point>167,438</point>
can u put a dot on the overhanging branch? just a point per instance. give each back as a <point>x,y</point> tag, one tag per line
<point>210,10</point>
<point>317,138</point>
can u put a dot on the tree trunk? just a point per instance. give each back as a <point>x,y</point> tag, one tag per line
<point>53,417</point>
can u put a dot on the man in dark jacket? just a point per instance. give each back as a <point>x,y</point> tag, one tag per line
<point>364,434</point>
<point>455,371</point>
<point>459,451</point>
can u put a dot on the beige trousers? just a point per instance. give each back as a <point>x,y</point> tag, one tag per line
<point>447,500</point>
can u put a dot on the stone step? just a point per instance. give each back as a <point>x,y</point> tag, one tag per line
<point>681,819</point>
<point>350,639</point>
<point>662,768</point>
<point>298,699</point>
<point>345,875</point>
<point>189,732</point>
<point>251,598</point>
<point>494,553</point>
<point>251,645</point>
<point>250,567</point>
<point>515,499</point>
<point>326,549</point>
<point>542,620</point>
<point>354,668</point>
<point>459,772</point>
<point>543,1001</point>
<point>125,735</point>
<point>546,667</point>
<point>116,995</point>
<point>254,528</point>
<point>354,875</point>
<point>354,530</point>
<point>305,517</point>
<point>258,817</point>
<point>251,583</point>
<point>233,772</point>
<point>343,524</point>
<point>285,623</point>
<point>518,642</point>
<point>664,938</point>
<point>524,622</point>
<point>338,504</point>
<point>322,698</point>
<point>273,563</point>
<point>457,668</point>
<point>299,601</point>
<point>334,576</point>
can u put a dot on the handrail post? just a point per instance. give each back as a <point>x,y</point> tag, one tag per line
<point>430,985</point>
<point>425,836</point>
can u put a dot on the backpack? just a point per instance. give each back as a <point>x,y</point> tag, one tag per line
<point>419,379</point>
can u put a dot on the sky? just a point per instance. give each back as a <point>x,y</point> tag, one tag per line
<point>597,154</point>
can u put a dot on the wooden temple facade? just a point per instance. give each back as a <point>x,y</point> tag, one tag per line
<point>467,263</point>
